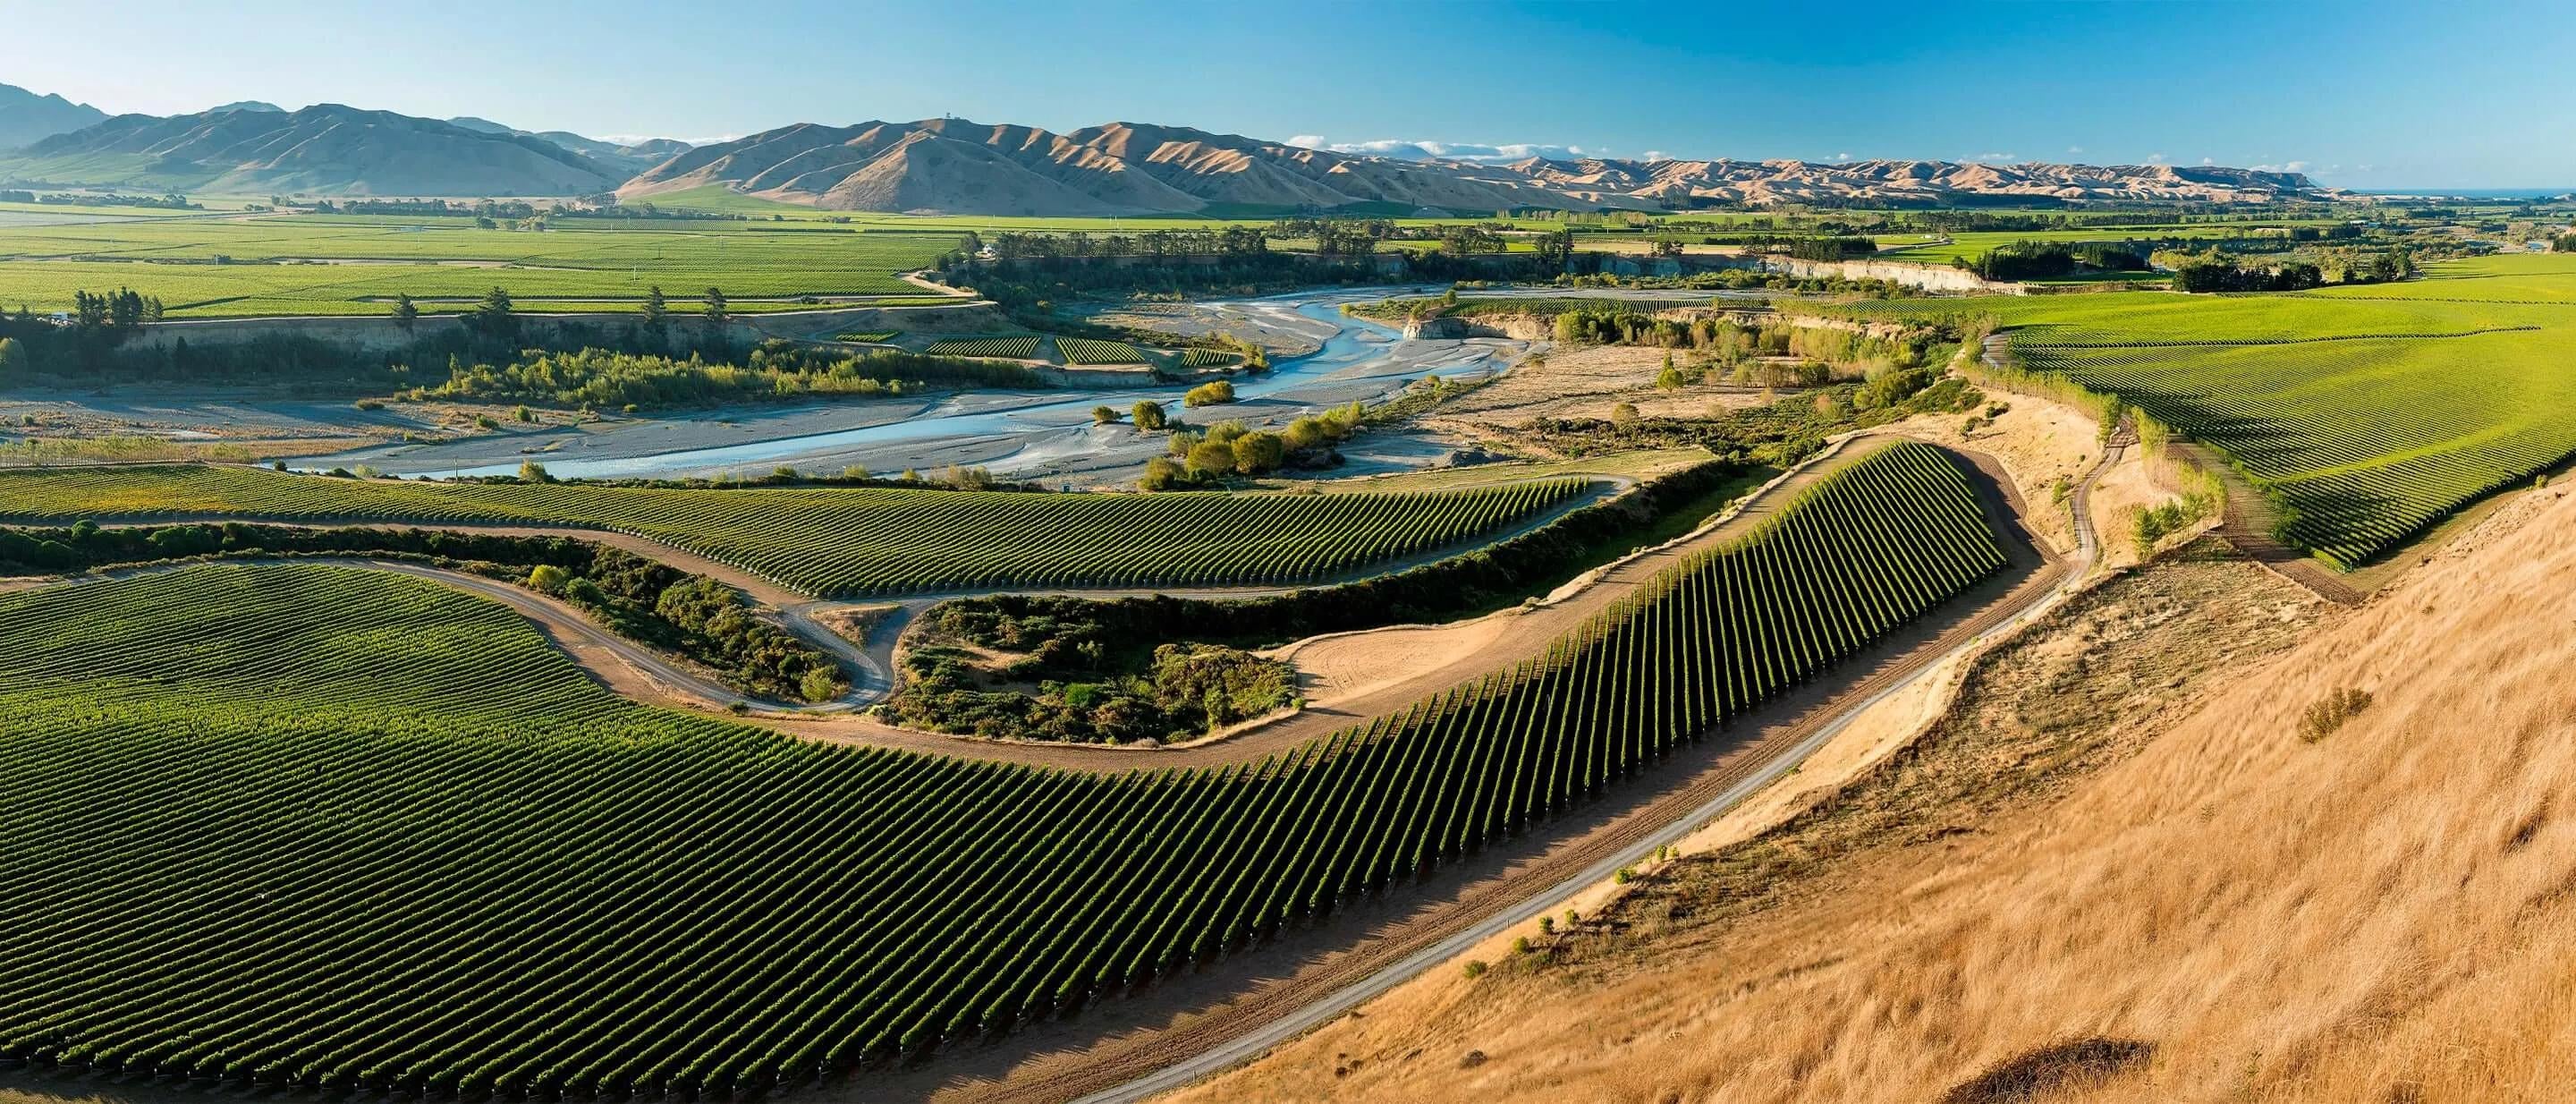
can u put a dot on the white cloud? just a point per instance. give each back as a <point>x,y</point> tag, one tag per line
<point>1655,155</point>
<point>2155,159</point>
<point>2074,149</point>
<point>1423,149</point>
<point>1842,157</point>
<point>1997,157</point>
<point>2291,166</point>
<point>2206,161</point>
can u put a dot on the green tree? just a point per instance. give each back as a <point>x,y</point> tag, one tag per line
<point>1104,415</point>
<point>532,472</point>
<point>657,314</point>
<point>1149,415</point>
<point>548,578</point>
<point>13,358</point>
<point>717,312</point>
<point>1210,393</point>
<point>406,312</point>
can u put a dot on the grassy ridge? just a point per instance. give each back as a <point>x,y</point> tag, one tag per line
<point>854,541</point>
<point>421,851</point>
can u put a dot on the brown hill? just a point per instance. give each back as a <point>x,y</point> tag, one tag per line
<point>956,166</point>
<point>325,149</point>
<point>2121,900</point>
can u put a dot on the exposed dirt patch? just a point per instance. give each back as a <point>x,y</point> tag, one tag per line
<point>1627,992</point>
<point>2047,446</point>
<point>1584,382</point>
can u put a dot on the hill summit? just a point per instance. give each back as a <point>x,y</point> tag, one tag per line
<point>325,149</point>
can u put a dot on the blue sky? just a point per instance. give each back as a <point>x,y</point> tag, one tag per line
<point>2362,95</point>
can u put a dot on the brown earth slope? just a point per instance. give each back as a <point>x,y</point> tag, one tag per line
<point>963,167</point>
<point>2118,873</point>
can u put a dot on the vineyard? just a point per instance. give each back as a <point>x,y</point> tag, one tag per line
<point>845,542</point>
<point>1083,350</point>
<point>1209,358</point>
<point>291,264</point>
<point>870,337</point>
<point>1008,348</point>
<point>420,852</point>
<point>2368,413</point>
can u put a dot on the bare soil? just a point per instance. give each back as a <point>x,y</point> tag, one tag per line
<point>1625,988</point>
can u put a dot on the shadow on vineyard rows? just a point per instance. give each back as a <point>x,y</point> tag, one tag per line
<point>1183,1015</point>
<point>1626,767</point>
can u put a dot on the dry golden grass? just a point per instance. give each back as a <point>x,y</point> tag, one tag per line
<point>2387,914</point>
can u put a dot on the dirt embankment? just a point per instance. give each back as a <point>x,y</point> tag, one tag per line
<point>2144,862</point>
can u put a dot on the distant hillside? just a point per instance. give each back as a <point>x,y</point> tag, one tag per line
<point>627,159</point>
<point>1123,168</point>
<point>26,117</point>
<point>956,166</point>
<point>246,105</point>
<point>325,149</point>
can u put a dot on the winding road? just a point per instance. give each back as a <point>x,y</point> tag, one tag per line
<point>1773,759</point>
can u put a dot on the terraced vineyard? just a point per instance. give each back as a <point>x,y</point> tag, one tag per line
<point>1209,358</point>
<point>1083,350</point>
<point>419,851</point>
<point>1012,348</point>
<point>845,542</point>
<point>2369,413</point>
<point>869,337</point>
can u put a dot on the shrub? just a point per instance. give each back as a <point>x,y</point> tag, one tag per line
<point>819,685</point>
<point>1475,968</point>
<point>1148,415</point>
<point>1255,453</point>
<point>2329,713</point>
<point>532,472</point>
<point>1211,393</point>
<point>1104,415</point>
<point>1161,474</point>
<point>1211,458</point>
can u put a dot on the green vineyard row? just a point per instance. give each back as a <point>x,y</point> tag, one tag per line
<point>1083,350</point>
<point>847,542</point>
<point>1013,348</point>
<point>318,827</point>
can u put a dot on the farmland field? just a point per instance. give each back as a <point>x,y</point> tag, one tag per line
<point>308,264</point>
<point>1080,350</point>
<point>2369,412</point>
<point>420,851</point>
<point>1012,348</point>
<point>836,542</point>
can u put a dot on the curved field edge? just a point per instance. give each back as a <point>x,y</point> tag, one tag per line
<point>853,542</point>
<point>2362,416</point>
<point>367,840</point>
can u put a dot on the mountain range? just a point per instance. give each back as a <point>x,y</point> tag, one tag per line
<point>955,166</point>
<point>26,116</point>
